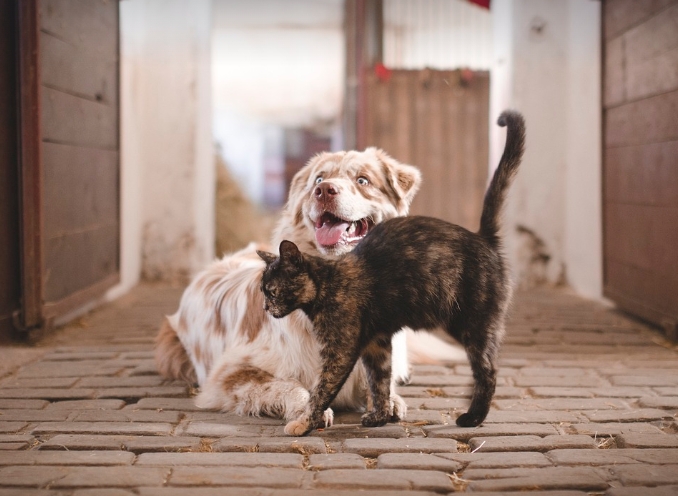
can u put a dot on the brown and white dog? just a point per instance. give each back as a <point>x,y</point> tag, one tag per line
<point>244,360</point>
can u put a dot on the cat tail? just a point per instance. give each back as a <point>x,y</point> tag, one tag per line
<point>507,168</point>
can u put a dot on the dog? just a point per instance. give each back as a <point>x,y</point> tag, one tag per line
<point>249,363</point>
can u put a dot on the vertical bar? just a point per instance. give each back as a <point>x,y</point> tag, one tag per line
<point>30,165</point>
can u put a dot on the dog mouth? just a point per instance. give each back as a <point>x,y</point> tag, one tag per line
<point>332,231</point>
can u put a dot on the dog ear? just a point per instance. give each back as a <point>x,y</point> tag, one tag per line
<point>404,179</point>
<point>267,257</point>
<point>289,252</point>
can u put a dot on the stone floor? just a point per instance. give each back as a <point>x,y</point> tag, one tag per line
<point>586,404</point>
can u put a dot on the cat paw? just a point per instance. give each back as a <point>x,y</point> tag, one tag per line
<point>328,417</point>
<point>374,419</point>
<point>466,420</point>
<point>397,407</point>
<point>298,427</point>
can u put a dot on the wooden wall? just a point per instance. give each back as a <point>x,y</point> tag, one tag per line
<point>80,146</point>
<point>437,121</point>
<point>640,98</point>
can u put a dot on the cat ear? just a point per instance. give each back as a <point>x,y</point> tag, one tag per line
<point>289,252</point>
<point>267,257</point>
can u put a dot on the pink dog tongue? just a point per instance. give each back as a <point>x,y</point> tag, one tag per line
<point>330,234</point>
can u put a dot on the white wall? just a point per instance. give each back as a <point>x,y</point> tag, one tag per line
<point>547,65</point>
<point>167,162</point>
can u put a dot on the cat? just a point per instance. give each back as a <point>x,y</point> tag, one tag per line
<point>419,272</point>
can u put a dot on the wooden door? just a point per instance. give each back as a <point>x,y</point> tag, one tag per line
<point>69,155</point>
<point>640,174</point>
<point>437,121</point>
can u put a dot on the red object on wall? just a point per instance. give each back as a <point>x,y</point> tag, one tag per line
<point>482,3</point>
<point>383,72</point>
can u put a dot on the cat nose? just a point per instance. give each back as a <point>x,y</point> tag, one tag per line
<point>326,189</point>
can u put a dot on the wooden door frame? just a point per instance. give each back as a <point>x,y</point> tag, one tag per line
<point>30,316</point>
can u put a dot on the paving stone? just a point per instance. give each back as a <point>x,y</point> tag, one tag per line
<point>102,492</point>
<point>74,355</point>
<point>143,392</point>
<point>613,456</point>
<point>336,460</point>
<point>445,380</point>
<point>237,476</point>
<point>280,460</point>
<point>544,478</point>
<point>127,416</point>
<point>417,461</point>
<point>570,404</point>
<point>437,403</point>
<point>465,433</point>
<point>33,415</point>
<point>375,447</point>
<point>180,404</point>
<point>263,491</point>
<point>111,477</point>
<point>647,475</point>
<point>67,458</point>
<point>13,446</point>
<point>613,428</point>
<point>647,491</point>
<point>425,417</point>
<point>633,440</point>
<point>12,426</point>
<point>116,382</point>
<point>31,476</point>
<point>130,443</point>
<point>648,380</point>
<point>88,405</point>
<point>43,382</point>
<point>47,394</point>
<point>662,402</point>
<point>80,368</point>
<point>304,446</point>
<point>480,459</point>
<point>531,443</point>
<point>138,428</point>
<point>427,480</point>
<point>559,381</point>
<point>666,391</point>
<point>532,493</point>
<point>535,417</point>
<point>358,431</point>
<point>237,444</point>
<point>208,429</point>
<point>636,415</point>
<point>27,404</point>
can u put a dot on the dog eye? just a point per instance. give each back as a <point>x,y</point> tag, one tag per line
<point>318,179</point>
<point>363,181</point>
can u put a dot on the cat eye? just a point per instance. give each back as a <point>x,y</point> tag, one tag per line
<point>363,181</point>
<point>318,179</point>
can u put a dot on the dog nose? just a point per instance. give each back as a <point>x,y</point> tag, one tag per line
<point>326,190</point>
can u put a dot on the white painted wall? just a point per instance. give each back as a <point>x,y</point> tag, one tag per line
<point>275,64</point>
<point>547,65</point>
<point>167,161</point>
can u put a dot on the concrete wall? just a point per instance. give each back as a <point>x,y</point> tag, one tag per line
<point>167,186</point>
<point>547,65</point>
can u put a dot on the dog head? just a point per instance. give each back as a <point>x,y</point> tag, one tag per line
<point>337,197</point>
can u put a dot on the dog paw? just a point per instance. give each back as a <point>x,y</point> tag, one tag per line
<point>397,407</point>
<point>374,419</point>
<point>328,418</point>
<point>298,427</point>
<point>466,420</point>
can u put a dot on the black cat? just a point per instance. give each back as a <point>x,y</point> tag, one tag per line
<point>418,272</point>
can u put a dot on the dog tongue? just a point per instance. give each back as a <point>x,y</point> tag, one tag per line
<point>330,233</point>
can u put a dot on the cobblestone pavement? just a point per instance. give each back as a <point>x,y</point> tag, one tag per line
<point>586,404</point>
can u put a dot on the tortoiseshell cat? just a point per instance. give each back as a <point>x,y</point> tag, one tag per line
<point>418,272</point>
